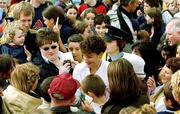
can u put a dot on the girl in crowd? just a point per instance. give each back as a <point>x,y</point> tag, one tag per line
<point>54,15</point>
<point>19,96</point>
<point>13,40</point>
<point>124,87</point>
<point>155,25</point>
<point>89,16</point>
<point>71,12</point>
<point>100,22</point>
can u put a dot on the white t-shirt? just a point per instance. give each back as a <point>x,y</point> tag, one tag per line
<point>81,71</point>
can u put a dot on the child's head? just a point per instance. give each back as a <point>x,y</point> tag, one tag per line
<point>169,100</point>
<point>14,32</point>
<point>93,84</point>
<point>99,23</point>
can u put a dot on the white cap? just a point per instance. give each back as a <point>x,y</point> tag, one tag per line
<point>137,63</point>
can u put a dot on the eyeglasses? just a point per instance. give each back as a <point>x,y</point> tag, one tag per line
<point>47,48</point>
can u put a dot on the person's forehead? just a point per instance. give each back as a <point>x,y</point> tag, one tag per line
<point>23,16</point>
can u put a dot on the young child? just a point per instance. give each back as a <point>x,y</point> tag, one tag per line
<point>12,42</point>
<point>93,87</point>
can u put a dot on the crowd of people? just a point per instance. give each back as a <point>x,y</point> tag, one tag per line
<point>89,57</point>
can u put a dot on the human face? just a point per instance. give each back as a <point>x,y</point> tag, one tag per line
<point>90,19</point>
<point>112,48</point>
<point>173,7</point>
<point>92,59</point>
<point>146,6</point>
<point>136,51</point>
<point>48,22</point>
<point>101,30</point>
<point>19,38</point>
<point>76,51</point>
<point>26,21</point>
<point>149,19</point>
<point>178,51</point>
<point>172,35</point>
<point>50,51</point>
<point>178,5</point>
<point>134,5</point>
<point>165,54</point>
<point>87,33</point>
<point>165,74</point>
<point>71,13</point>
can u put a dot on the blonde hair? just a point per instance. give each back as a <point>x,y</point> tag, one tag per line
<point>24,76</point>
<point>10,31</point>
<point>145,109</point>
<point>127,110</point>
<point>175,82</point>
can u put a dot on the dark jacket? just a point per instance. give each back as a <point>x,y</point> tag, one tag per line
<point>15,51</point>
<point>47,69</point>
<point>113,106</point>
<point>65,110</point>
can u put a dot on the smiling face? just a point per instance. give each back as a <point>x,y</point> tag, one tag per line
<point>165,74</point>
<point>101,30</point>
<point>50,51</point>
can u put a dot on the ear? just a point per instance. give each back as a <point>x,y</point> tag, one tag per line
<point>49,92</point>
<point>91,94</point>
<point>101,54</point>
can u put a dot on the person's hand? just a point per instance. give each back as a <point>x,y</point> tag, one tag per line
<point>74,63</point>
<point>151,84</point>
<point>28,54</point>
<point>64,68</point>
<point>87,106</point>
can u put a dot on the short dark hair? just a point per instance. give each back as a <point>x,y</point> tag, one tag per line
<point>70,7</point>
<point>6,65</point>
<point>75,38</point>
<point>99,19</point>
<point>46,36</point>
<point>54,12</point>
<point>44,88</point>
<point>173,64</point>
<point>93,83</point>
<point>93,44</point>
<point>153,3</point>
